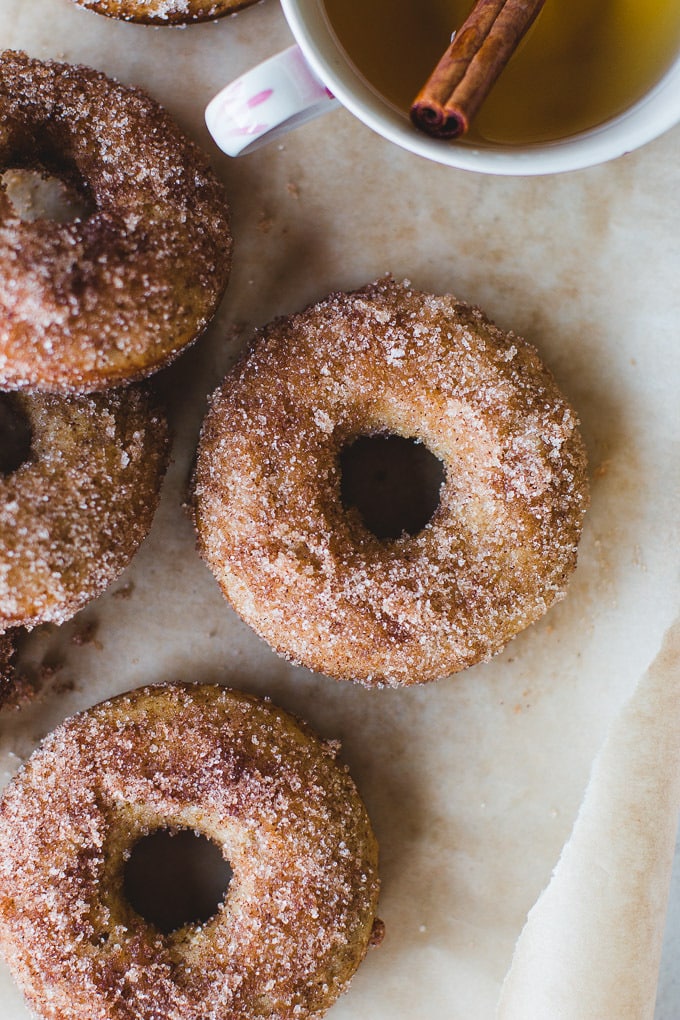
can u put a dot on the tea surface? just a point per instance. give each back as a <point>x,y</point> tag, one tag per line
<point>581,63</point>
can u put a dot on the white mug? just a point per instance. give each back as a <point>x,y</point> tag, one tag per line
<point>315,75</point>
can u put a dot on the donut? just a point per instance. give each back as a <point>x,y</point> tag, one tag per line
<point>75,509</point>
<point>304,571</point>
<point>116,295</point>
<point>299,911</point>
<point>165,12</point>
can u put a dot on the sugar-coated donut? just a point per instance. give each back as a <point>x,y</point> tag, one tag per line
<point>113,296</point>
<point>74,512</point>
<point>304,571</point>
<point>299,911</point>
<point>165,12</point>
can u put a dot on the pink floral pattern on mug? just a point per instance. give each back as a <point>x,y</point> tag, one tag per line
<point>266,101</point>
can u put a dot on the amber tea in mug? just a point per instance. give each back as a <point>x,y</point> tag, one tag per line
<point>581,63</point>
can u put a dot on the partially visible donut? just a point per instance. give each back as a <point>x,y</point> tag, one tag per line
<point>114,296</point>
<point>304,571</point>
<point>299,911</point>
<point>74,511</point>
<point>165,12</point>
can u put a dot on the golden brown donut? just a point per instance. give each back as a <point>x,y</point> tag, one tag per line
<point>87,304</point>
<point>299,911</point>
<point>165,12</point>
<point>73,514</point>
<point>304,572</point>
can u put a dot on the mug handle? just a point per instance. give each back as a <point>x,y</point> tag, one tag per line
<point>265,102</point>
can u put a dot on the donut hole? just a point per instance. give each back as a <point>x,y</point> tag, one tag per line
<point>392,481</point>
<point>176,877</point>
<point>41,195</point>
<point>16,435</point>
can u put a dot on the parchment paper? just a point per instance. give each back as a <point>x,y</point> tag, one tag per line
<point>473,783</point>
<point>592,943</point>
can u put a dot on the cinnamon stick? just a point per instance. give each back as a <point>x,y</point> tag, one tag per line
<point>479,51</point>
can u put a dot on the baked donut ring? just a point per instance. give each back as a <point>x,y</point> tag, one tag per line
<point>165,12</point>
<point>114,296</point>
<point>304,571</point>
<point>74,512</point>
<point>299,912</point>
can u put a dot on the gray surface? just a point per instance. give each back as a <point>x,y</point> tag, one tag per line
<point>668,998</point>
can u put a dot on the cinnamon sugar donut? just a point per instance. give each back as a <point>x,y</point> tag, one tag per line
<point>73,512</point>
<point>304,571</point>
<point>165,12</point>
<point>114,296</point>
<point>299,911</point>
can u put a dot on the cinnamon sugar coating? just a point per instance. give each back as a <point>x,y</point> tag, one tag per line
<point>74,513</point>
<point>165,12</point>
<point>116,295</point>
<point>299,911</point>
<point>304,572</point>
